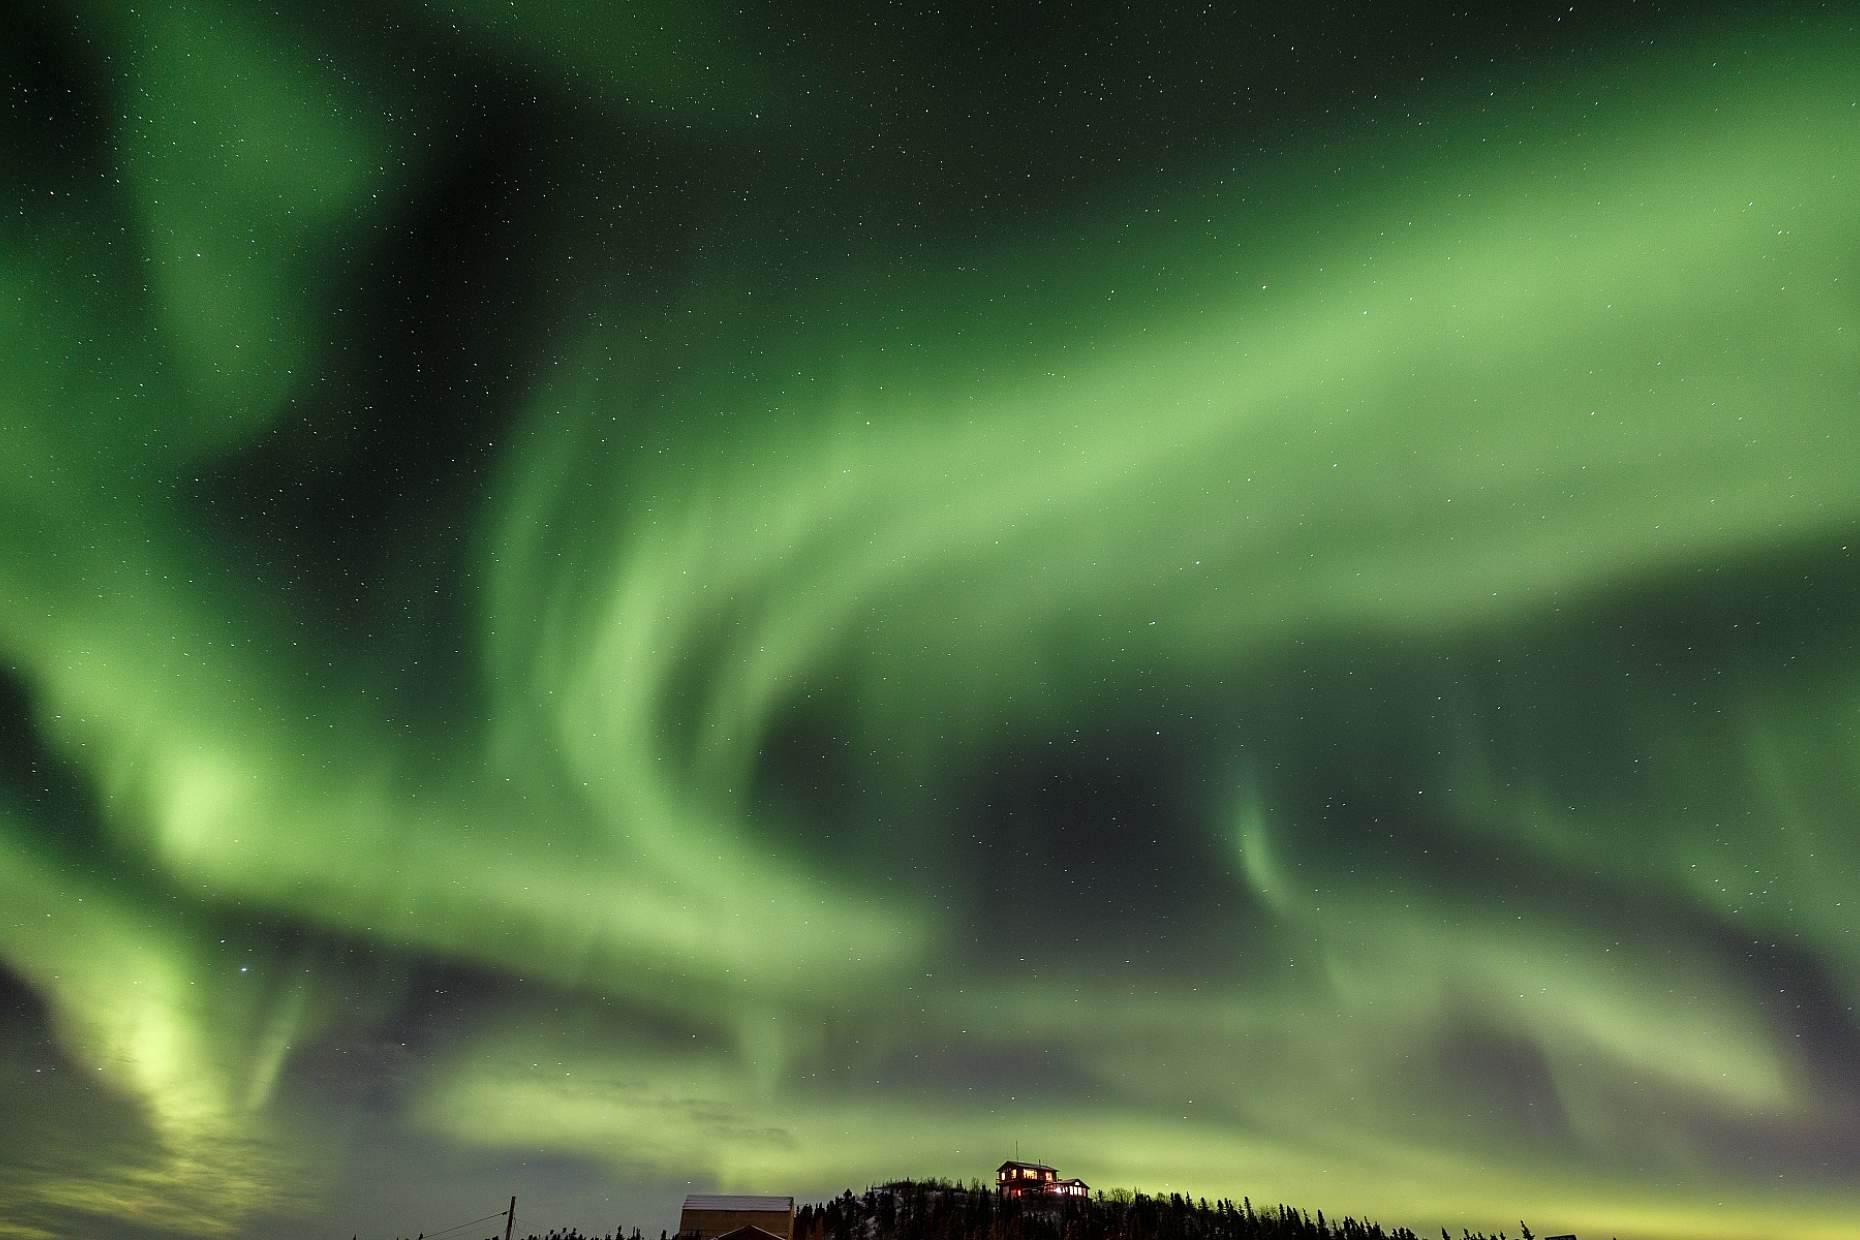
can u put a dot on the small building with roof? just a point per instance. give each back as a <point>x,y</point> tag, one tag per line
<point>736,1216</point>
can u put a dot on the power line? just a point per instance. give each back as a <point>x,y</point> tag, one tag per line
<point>432,1235</point>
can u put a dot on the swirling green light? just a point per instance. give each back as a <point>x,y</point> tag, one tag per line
<point>1352,479</point>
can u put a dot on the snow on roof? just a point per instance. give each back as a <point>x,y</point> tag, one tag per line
<point>737,1201</point>
<point>1033,1166</point>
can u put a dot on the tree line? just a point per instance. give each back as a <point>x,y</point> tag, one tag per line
<point>942,1210</point>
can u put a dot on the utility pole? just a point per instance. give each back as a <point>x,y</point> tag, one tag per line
<point>510,1218</point>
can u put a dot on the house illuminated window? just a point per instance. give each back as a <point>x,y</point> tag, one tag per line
<point>1013,1179</point>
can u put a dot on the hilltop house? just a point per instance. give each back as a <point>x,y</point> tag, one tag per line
<point>1032,1179</point>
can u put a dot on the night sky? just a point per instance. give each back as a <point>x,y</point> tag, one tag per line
<point>599,601</point>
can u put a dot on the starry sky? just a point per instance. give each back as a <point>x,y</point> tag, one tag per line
<point>605,601</point>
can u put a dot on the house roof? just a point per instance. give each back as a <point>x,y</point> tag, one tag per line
<point>1029,1165</point>
<point>749,1231</point>
<point>738,1201</point>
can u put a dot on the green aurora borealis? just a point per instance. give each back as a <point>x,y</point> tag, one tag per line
<point>597,602</point>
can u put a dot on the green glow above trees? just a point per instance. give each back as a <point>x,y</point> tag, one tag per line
<point>1465,547</point>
